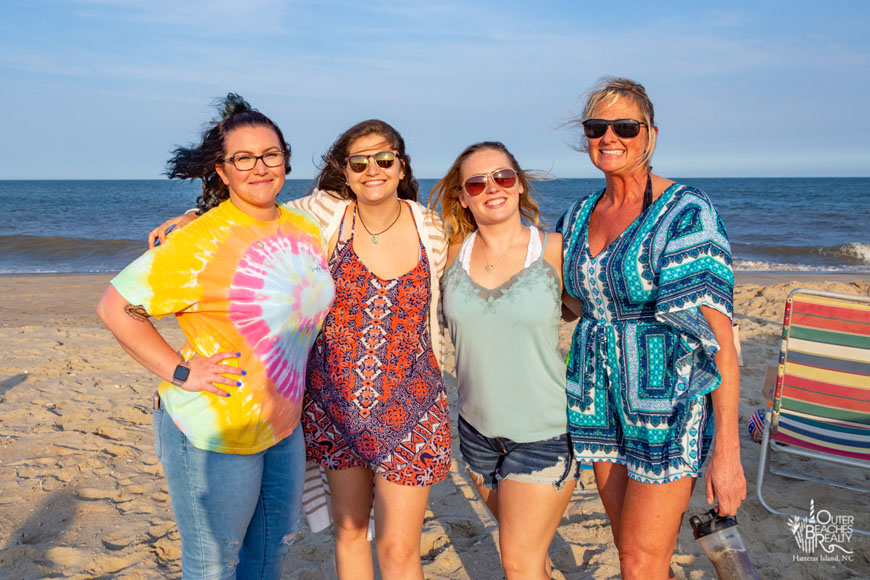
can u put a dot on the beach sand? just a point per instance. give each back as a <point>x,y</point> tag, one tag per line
<point>82,494</point>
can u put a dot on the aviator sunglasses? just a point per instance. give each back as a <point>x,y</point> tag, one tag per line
<point>383,159</point>
<point>503,178</point>
<point>625,128</point>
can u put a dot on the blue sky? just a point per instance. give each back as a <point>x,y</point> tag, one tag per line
<point>95,89</point>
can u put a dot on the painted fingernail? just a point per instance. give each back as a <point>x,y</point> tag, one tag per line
<point>226,394</point>
<point>244,373</point>
<point>238,384</point>
<point>238,354</point>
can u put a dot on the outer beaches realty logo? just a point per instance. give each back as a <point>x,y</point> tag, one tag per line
<point>825,531</point>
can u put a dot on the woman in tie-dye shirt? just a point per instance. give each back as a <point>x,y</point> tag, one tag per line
<point>249,286</point>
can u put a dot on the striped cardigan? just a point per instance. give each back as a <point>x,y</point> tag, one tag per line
<point>328,208</point>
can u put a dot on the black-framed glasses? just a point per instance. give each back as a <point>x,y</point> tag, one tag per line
<point>625,128</point>
<point>383,159</point>
<point>248,162</point>
<point>504,178</point>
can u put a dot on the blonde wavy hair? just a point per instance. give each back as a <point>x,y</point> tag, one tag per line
<point>459,220</point>
<point>607,91</point>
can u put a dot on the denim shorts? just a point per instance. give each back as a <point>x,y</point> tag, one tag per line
<point>493,459</point>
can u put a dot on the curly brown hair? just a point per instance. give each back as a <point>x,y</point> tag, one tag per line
<point>331,177</point>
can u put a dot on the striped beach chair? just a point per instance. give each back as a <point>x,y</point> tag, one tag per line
<point>821,403</point>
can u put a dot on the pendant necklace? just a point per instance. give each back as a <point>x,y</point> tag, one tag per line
<point>490,265</point>
<point>375,235</point>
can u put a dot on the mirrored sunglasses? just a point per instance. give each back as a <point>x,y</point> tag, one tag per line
<point>504,178</point>
<point>359,163</point>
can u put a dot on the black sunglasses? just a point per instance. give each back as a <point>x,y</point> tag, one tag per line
<point>625,128</point>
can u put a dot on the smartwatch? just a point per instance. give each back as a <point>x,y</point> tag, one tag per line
<point>182,371</point>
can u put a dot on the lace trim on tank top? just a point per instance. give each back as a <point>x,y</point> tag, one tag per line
<point>534,253</point>
<point>534,250</point>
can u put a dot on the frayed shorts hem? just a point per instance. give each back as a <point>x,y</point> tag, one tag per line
<point>490,460</point>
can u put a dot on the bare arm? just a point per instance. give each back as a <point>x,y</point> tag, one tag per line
<point>572,308</point>
<point>553,253</point>
<point>452,252</point>
<point>135,333</point>
<point>724,480</point>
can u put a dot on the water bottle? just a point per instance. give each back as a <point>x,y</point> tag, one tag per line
<point>719,538</point>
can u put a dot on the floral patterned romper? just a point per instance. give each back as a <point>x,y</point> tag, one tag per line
<point>375,397</point>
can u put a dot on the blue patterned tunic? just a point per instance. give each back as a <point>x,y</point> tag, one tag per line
<point>641,364</point>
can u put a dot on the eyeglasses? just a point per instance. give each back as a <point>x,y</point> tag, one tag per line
<point>248,162</point>
<point>383,159</point>
<point>625,128</point>
<point>505,178</point>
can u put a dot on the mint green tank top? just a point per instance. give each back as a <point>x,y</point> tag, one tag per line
<point>510,374</point>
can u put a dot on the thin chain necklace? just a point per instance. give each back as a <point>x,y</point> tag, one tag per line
<point>375,235</point>
<point>490,265</point>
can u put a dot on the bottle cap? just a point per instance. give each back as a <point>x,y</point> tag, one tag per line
<point>710,524</point>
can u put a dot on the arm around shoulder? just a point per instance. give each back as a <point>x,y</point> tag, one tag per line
<point>158,235</point>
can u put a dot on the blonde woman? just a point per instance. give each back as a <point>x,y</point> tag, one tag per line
<point>653,376</point>
<point>502,299</point>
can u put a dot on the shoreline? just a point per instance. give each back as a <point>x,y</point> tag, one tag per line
<point>772,277</point>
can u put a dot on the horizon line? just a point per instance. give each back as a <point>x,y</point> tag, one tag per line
<point>437,178</point>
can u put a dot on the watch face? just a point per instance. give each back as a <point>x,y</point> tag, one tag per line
<point>181,373</point>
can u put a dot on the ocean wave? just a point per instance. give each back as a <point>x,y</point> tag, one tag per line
<point>850,254</point>
<point>55,254</point>
<point>855,250</point>
<point>761,265</point>
<point>64,246</point>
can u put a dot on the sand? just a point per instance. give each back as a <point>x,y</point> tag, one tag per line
<point>82,494</point>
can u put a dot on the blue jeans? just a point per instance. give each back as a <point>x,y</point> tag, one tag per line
<point>237,514</point>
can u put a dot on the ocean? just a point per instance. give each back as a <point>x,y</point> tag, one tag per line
<point>788,224</point>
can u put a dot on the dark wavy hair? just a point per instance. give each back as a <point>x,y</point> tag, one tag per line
<point>198,161</point>
<point>331,177</point>
<point>459,220</point>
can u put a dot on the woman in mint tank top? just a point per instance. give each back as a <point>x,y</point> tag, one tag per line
<point>501,295</point>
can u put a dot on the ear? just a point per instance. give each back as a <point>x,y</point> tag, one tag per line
<point>461,198</point>
<point>402,170</point>
<point>219,169</point>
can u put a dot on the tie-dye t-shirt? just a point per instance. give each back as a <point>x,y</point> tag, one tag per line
<point>237,284</point>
